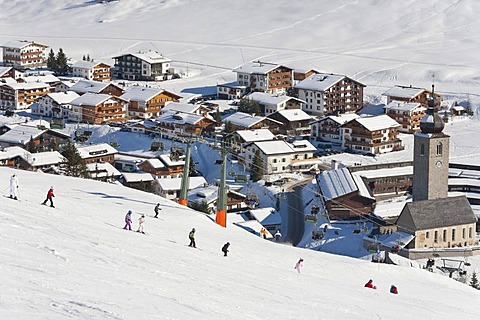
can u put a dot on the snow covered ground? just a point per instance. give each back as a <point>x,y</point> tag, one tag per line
<point>75,261</point>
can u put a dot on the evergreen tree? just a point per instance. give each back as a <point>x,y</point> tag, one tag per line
<point>88,57</point>
<point>31,146</point>
<point>228,127</point>
<point>73,165</point>
<point>249,106</point>
<point>218,116</point>
<point>83,58</point>
<point>52,61</point>
<point>192,170</point>
<point>61,61</point>
<point>474,281</point>
<point>256,171</point>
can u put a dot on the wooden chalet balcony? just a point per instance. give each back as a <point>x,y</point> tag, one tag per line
<point>145,109</point>
<point>374,143</point>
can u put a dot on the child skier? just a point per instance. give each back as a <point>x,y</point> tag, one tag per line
<point>263,232</point>
<point>225,248</point>
<point>278,235</point>
<point>393,289</point>
<point>141,220</point>
<point>13,187</point>
<point>128,220</point>
<point>157,210</point>
<point>191,236</point>
<point>50,196</point>
<point>370,285</point>
<point>299,265</point>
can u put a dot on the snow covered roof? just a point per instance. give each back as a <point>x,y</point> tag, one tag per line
<point>403,92</point>
<point>463,173</point>
<point>46,78</point>
<point>90,99</point>
<point>12,152</point>
<point>257,67</point>
<point>175,183</point>
<point>232,85</point>
<point>256,135</point>
<point>378,122</point>
<point>105,168</point>
<point>143,94</point>
<point>4,70</point>
<point>155,163</point>
<point>84,86</point>
<point>295,114</point>
<point>128,158</point>
<point>319,81</point>
<point>45,158</point>
<point>267,216</point>
<point>340,119</point>
<point>463,182</point>
<point>150,57</point>
<point>283,147</point>
<point>21,134</point>
<point>336,183</point>
<point>167,160</point>
<point>27,85</point>
<point>270,99</point>
<point>178,117</point>
<point>182,107</point>
<point>82,64</point>
<point>404,106</point>
<point>7,80</point>
<point>208,194</point>
<point>386,172</point>
<point>137,177</point>
<point>63,97</point>
<point>242,119</point>
<point>391,208</point>
<point>96,150</point>
<point>19,44</point>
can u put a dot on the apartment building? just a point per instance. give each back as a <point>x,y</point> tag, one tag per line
<point>147,66</point>
<point>24,54</point>
<point>96,71</point>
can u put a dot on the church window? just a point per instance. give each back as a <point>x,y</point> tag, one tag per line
<point>444,238</point>
<point>435,236</point>
<point>463,233</point>
<point>470,232</point>
<point>422,149</point>
<point>453,234</point>
<point>439,149</point>
<point>427,235</point>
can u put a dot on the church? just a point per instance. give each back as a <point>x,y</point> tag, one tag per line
<point>433,220</point>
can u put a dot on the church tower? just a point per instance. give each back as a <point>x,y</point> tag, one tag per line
<point>430,157</point>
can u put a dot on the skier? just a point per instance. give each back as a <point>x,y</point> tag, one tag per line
<point>13,187</point>
<point>370,285</point>
<point>299,265</point>
<point>263,232</point>
<point>141,220</point>
<point>157,209</point>
<point>128,220</point>
<point>191,236</point>
<point>225,248</point>
<point>50,196</point>
<point>278,235</point>
<point>393,289</point>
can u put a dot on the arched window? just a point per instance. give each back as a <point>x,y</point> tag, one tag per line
<point>439,149</point>
<point>422,149</point>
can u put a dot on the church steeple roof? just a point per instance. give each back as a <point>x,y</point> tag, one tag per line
<point>432,122</point>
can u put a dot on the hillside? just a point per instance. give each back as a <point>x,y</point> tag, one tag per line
<point>75,261</point>
<point>377,42</point>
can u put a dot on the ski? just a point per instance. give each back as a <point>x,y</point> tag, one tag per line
<point>16,199</point>
<point>44,204</point>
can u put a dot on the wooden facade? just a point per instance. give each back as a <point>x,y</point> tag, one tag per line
<point>152,107</point>
<point>21,95</point>
<point>349,206</point>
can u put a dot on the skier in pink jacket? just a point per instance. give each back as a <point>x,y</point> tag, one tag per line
<point>299,265</point>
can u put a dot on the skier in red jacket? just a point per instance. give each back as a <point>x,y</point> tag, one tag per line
<point>370,285</point>
<point>50,196</point>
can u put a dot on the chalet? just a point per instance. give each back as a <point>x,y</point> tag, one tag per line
<point>245,121</point>
<point>231,90</point>
<point>411,94</point>
<point>280,156</point>
<point>295,122</point>
<point>137,180</point>
<point>265,77</point>
<point>345,196</point>
<point>64,85</point>
<point>198,109</point>
<point>174,122</point>
<point>329,128</point>
<point>146,103</point>
<point>174,164</point>
<point>42,161</point>
<point>11,156</point>
<point>330,94</point>
<point>432,224</point>
<point>21,95</point>
<point>143,126</point>
<point>24,54</point>
<point>209,196</point>
<point>96,71</point>
<point>169,188</point>
<point>47,78</point>
<point>268,218</point>
<point>372,135</point>
<point>59,101</point>
<point>40,138</point>
<point>239,139</point>
<point>103,171</point>
<point>153,166</point>
<point>90,86</point>
<point>98,108</point>
<point>127,162</point>
<point>271,103</point>
<point>147,66</point>
<point>97,153</point>
<point>383,179</point>
<point>6,72</point>
<point>407,114</point>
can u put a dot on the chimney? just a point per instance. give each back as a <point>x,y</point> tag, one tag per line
<point>334,165</point>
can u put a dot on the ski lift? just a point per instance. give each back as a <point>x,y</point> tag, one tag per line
<point>57,123</point>
<point>252,200</point>
<point>114,144</point>
<point>373,247</point>
<point>311,218</point>
<point>157,145</point>
<point>318,235</point>
<point>242,178</point>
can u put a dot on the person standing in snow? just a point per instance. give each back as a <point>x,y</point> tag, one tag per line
<point>141,220</point>
<point>299,265</point>
<point>13,187</point>
<point>50,196</point>
<point>263,232</point>
<point>278,235</point>
<point>157,210</point>
<point>128,220</point>
<point>393,289</point>
<point>370,285</point>
<point>191,236</point>
<point>225,248</point>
